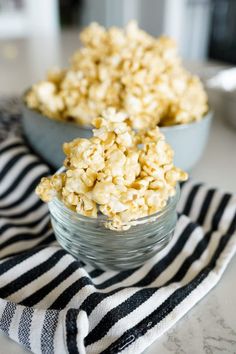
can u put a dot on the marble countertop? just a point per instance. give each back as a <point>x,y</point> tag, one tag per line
<point>210,327</point>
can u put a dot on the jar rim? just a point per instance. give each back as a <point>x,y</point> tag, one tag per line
<point>171,203</point>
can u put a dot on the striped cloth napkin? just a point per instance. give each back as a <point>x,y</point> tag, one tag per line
<point>53,303</point>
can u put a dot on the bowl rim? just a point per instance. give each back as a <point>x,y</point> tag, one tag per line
<point>72,124</point>
<point>207,116</point>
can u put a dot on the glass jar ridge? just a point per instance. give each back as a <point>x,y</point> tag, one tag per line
<point>89,240</point>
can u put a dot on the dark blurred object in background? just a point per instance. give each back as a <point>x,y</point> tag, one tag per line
<point>70,12</point>
<point>222,44</point>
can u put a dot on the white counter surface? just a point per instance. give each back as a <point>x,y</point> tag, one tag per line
<point>210,327</point>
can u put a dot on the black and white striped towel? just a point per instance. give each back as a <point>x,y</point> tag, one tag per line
<point>52,303</point>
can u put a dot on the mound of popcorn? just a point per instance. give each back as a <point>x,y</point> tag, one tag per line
<point>123,174</point>
<point>123,68</point>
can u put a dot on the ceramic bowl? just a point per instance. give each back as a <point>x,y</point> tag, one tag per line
<point>221,89</point>
<point>188,141</point>
<point>47,136</point>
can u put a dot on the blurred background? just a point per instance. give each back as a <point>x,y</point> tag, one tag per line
<point>35,35</point>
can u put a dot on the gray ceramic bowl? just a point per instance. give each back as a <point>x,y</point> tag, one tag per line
<point>224,104</point>
<point>221,90</point>
<point>47,136</point>
<point>188,141</point>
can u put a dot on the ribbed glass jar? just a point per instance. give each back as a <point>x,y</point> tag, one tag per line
<point>90,241</point>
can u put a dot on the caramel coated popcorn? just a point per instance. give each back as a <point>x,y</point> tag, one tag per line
<point>125,69</point>
<point>119,173</point>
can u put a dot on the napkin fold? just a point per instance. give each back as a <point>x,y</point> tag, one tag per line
<point>51,302</point>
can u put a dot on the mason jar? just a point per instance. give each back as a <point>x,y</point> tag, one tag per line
<point>89,240</point>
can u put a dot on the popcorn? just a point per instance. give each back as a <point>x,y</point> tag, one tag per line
<point>50,187</point>
<point>46,99</point>
<point>86,207</point>
<point>74,182</point>
<point>126,69</point>
<point>102,192</point>
<point>119,173</point>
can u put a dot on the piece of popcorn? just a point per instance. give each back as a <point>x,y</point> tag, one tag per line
<point>94,157</point>
<point>74,182</point>
<point>44,90</point>
<point>50,187</point>
<point>86,207</point>
<point>55,75</point>
<point>154,199</point>
<point>116,206</point>
<point>174,175</point>
<point>102,192</point>
<point>115,163</point>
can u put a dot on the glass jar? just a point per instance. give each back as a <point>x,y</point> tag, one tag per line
<point>89,240</point>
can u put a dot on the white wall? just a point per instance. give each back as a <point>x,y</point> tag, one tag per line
<point>36,18</point>
<point>109,12</point>
<point>188,21</point>
<point>149,13</point>
<point>174,21</point>
<point>42,17</point>
<point>151,16</point>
